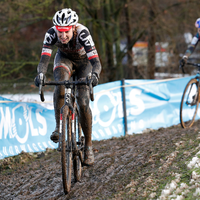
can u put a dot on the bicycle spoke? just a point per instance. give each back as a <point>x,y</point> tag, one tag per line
<point>189,104</point>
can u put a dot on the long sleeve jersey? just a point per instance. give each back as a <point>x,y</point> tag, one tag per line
<point>193,45</point>
<point>79,47</point>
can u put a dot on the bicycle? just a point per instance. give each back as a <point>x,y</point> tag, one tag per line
<point>190,99</point>
<point>71,142</point>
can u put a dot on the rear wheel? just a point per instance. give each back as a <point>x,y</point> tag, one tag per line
<point>77,158</point>
<point>66,152</point>
<point>189,104</point>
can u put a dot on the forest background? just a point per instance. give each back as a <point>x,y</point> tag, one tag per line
<point>115,25</point>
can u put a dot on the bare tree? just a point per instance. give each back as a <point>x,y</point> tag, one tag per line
<point>151,40</point>
<point>111,22</point>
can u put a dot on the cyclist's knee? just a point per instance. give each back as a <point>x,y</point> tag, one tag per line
<point>62,73</point>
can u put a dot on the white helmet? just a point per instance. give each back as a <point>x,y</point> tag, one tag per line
<point>65,17</point>
<point>197,23</point>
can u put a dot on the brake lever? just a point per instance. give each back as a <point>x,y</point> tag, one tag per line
<point>41,93</point>
<point>182,68</point>
<point>91,92</point>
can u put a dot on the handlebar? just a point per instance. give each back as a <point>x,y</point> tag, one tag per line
<point>194,64</point>
<point>67,84</point>
<point>188,63</point>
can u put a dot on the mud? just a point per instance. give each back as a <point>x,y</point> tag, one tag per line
<point>134,167</point>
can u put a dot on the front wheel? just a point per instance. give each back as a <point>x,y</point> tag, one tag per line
<point>66,151</point>
<point>189,104</point>
<point>79,145</point>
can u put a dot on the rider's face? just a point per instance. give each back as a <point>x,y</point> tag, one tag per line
<point>65,36</point>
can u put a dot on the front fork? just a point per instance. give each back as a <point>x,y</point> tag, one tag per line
<point>68,103</point>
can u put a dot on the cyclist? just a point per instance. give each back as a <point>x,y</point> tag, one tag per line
<point>76,52</point>
<point>193,44</point>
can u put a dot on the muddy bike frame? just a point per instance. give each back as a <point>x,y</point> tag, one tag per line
<point>71,142</point>
<point>190,99</point>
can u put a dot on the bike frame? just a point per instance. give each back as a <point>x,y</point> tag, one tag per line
<point>188,114</point>
<point>197,75</point>
<point>71,111</point>
<point>68,145</point>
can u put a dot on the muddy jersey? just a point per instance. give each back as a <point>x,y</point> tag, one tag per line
<point>81,46</point>
<point>193,45</point>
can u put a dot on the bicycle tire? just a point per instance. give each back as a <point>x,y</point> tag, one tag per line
<point>77,165</point>
<point>66,151</point>
<point>189,103</point>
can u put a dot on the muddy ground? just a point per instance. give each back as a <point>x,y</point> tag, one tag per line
<point>133,167</point>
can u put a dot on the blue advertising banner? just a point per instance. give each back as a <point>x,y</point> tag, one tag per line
<point>107,111</point>
<point>24,127</point>
<point>153,104</point>
<point>150,104</point>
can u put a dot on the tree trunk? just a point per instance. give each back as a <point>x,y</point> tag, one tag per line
<point>109,43</point>
<point>151,41</point>
<point>116,9</point>
<point>130,69</point>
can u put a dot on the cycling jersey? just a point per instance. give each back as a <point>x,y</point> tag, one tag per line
<point>193,45</point>
<point>79,47</point>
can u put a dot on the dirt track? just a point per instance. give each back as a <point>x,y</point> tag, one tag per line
<point>132,167</point>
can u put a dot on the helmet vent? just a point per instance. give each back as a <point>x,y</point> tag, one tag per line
<point>68,20</point>
<point>63,17</point>
<point>58,19</point>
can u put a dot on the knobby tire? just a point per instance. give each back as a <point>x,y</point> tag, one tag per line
<point>77,158</point>
<point>188,112</point>
<point>66,153</point>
